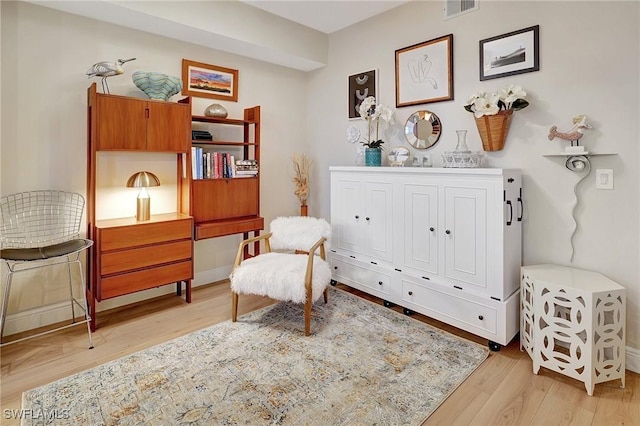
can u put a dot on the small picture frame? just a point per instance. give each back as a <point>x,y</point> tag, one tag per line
<point>508,54</point>
<point>209,81</point>
<point>361,85</point>
<point>424,72</point>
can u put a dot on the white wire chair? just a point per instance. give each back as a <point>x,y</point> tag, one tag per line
<point>39,229</point>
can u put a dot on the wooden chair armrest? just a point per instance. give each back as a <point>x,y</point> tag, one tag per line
<point>249,241</point>
<point>312,250</point>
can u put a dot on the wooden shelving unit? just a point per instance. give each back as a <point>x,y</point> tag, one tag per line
<point>226,206</point>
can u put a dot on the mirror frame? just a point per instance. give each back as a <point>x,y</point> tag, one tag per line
<point>410,129</point>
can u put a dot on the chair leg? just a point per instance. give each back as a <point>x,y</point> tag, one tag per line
<point>73,310</point>
<point>326,295</point>
<point>5,301</point>
<point>87,316</point>
<point>234,306</point>
<point>307,317</point>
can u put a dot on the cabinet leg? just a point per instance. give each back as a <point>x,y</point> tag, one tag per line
<point>407,311</point>
<point>387,304</point>
<point>495,347</point>
<point>188,291</point>
<point>179,288</point>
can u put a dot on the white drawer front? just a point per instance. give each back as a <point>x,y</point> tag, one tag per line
<point>448,308</point>
<point>349,273</point>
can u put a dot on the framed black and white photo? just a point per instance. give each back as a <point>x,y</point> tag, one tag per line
<point>424,72</point>
<point>361,85</point>
<point>508,54</point>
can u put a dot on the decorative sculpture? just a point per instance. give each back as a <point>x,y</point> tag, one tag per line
<point>575,133</point>
<point>157,85</point>
<point>107,69</point>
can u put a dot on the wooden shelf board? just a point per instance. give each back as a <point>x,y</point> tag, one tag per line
<point>218,120</point>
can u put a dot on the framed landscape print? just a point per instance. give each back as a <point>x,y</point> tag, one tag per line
<point>361,85</point>
<point>424,72</point>
<point>508,54</point>
<point>209,81</point>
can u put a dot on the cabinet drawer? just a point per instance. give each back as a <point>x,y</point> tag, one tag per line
<point>142,257</point>
<point>131,282</point>
<point>449,308</point>
<point>374,280</point>
<point>139,235</point>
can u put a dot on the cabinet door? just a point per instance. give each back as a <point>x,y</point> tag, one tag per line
<point>420,227</point>
<point>168,126</point>
<point>465,237</point>
<point>121,123</point>
<point>347,214</point>
<point>217,199</point>
<point>378,221</point>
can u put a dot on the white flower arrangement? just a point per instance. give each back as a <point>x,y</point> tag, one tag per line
<point>509,98</point>
<point>375,113</point>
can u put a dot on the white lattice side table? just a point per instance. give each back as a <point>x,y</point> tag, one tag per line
<point>573,322</point>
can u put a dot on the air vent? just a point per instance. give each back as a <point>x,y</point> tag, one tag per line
<point>455,8</point>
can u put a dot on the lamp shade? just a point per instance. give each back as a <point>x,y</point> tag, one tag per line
<point>143,180</point>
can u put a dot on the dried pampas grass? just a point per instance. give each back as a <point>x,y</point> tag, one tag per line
<point>301,166</point>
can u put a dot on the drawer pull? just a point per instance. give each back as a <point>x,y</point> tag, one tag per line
<point>357,217</point>
<point>379,282</point>
<point>427,278</point>
<point>480,317</point>
<point>432,229</point>
<point>447,232</point>
<point>367,218</point>
<point>410,293</point>
<point>335,267</point>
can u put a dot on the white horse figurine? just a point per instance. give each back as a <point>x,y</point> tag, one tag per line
<point>575,133</point>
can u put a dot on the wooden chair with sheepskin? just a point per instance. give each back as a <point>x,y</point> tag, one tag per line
<point>292,267</point>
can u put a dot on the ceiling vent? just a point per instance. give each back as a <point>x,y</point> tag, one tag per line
<point>455,8</point>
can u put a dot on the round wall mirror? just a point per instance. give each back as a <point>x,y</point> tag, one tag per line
<point>423,129</point>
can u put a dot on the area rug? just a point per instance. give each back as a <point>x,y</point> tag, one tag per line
<point>364,364</point>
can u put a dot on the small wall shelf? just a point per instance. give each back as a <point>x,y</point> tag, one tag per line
<point>572,154</point>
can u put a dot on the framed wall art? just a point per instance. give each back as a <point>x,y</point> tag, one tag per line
<point>209,81</point>
<point>424,72</point>
<point>361,85</point>
<point>508,54</point>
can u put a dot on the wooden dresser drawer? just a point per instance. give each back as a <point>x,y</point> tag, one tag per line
<point>131,282</point>
<point>143,257</point>
<point>125,237</point>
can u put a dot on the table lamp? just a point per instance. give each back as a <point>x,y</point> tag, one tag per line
<point>143,180</point>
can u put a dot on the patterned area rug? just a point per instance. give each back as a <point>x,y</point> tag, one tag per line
<point>363,364</point>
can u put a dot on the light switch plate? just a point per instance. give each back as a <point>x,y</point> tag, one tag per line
<point>604,178</point>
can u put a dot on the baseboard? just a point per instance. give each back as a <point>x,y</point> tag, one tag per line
<point>632,361</point>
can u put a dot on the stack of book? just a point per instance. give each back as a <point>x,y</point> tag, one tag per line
<point>246,168</point>
<point>201,135</point>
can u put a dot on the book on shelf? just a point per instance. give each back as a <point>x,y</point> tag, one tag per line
<point>219,165</point>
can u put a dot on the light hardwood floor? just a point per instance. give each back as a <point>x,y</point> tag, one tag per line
<point>502,391</point>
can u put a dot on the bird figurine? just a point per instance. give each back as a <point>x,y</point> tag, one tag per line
<point>575,133</point>
<point>107,69</point>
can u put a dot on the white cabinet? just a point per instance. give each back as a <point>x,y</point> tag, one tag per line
<point>442,242</point>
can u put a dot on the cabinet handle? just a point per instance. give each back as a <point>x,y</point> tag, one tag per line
<point>447,232</point>
<point>335,267</point>
<point>410,293</point>
<point>432,229</point>
<point>480,317</point>
<point>366,218</point>
<point>521,206</point>
<point>510,213</point>
<point>357,217</point>
<point>379,282</point>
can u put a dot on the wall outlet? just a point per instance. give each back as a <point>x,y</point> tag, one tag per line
<point>604,178</point>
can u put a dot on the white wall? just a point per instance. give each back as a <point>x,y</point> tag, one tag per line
<point>588,65</point>
<point>45,54</point>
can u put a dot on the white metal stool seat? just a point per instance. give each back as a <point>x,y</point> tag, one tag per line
<point>40,229</point>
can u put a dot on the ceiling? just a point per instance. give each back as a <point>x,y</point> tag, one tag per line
<point>320,16</point>
<point>326,16</point>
